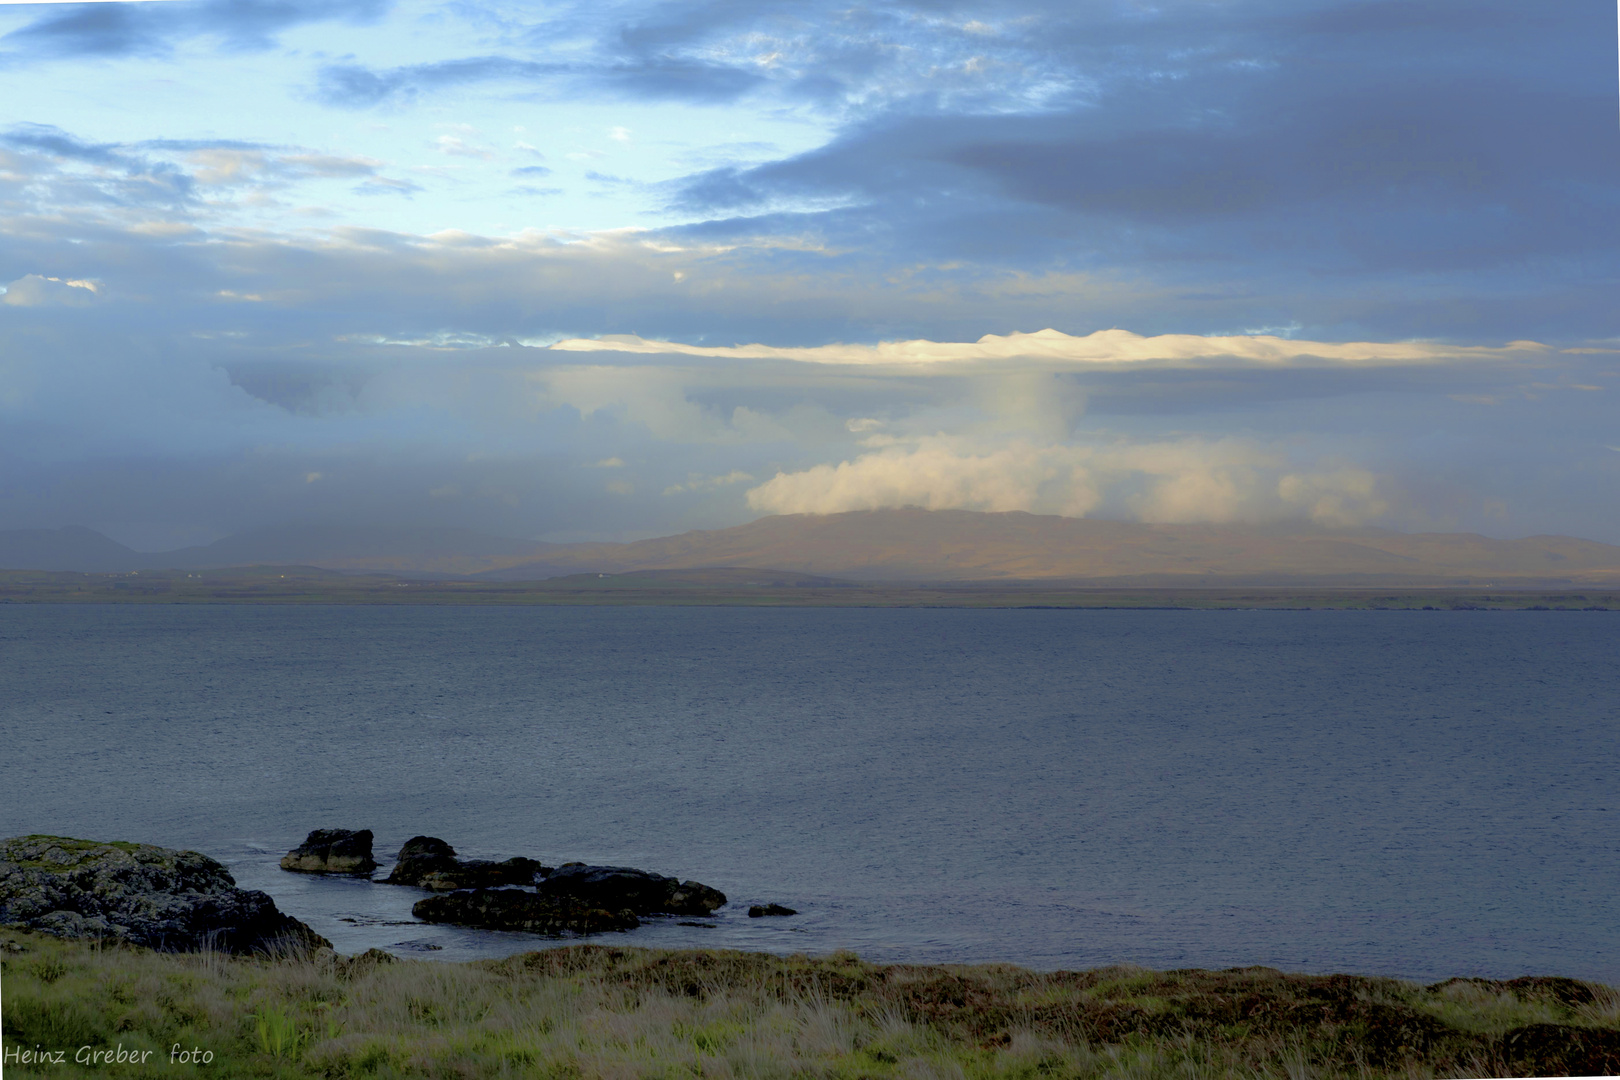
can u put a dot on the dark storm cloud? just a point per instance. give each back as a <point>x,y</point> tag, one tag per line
<point>147,29</point>
<point>1337,146</point>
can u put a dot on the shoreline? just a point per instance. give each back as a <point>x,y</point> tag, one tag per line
<point>213,975</point>
<point>596,1010</point>
<point>310,586</point>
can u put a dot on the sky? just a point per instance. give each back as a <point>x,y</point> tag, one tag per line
<point>625,268</point>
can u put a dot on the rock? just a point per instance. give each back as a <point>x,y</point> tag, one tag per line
<point>349,967</point>
<point>759,910</point>
<point>615,887</point>
<point>332,851</point>
<point>443,876</point>
<point>518,909</point>
<point>427,862</point>
<point>424,845</point>
<point>177,901</point>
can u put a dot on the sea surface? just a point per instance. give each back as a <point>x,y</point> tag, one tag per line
<point>1418,794</point>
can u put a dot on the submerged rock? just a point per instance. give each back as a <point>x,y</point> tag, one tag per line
<point>177,901</point>
<point>760,910</point>
<point>616,887</point>
<point>427,862</point>
<point>332,851</point>
<point>518,909</point>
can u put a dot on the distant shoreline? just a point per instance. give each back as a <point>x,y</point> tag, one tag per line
<point>309,585</point>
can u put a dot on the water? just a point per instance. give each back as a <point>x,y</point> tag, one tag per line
<point>1420,794</point>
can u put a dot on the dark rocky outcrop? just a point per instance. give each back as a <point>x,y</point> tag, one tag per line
<point>158,897</point>
<point>332,851</point>
<point>442,874</point>
<point>616,887</point>
<point>424,845</point>
<point>760,910</point>
<point>427,862</point>
<point>519,909</point>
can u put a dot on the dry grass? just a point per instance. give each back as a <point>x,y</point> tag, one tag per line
<point>590,1011</point>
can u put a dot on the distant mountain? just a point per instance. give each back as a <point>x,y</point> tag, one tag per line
<point>72,548</point>
<point>961,545</point>
<point>885,545</point>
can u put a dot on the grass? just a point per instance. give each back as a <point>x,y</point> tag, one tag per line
<point>594,1011</point>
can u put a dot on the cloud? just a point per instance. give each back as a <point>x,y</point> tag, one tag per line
<point>1243,149</point>
<point>184,178</point>
<point>34,290</point>
<point>225,166</point>
<point>658,400</point>
<point>128,29</point>
<point>696,482</point>
<point>1186,480</point>
<point>58,143</point>
<point>105,173</point>
<point>387,185</point>
<point>1103,347</point>
<point>1340,497</point>
<point>228,358</point>
<point>355,86</point>
<point>455,146</point>
<point>938,475</point>
<point>831,57</point>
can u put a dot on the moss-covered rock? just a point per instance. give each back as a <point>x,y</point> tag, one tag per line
<point>141,894</point>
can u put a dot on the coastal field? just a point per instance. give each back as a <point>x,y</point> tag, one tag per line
<point>596,1011</point>
<point>745,588</point>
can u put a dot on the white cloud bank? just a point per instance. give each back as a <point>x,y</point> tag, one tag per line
<point>1105,347</point>
<point>1175,481</point>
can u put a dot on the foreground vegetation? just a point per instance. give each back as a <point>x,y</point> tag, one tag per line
<point>734,588</point>
<point>594,1011</point>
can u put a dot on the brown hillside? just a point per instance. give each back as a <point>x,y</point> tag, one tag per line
<point>960,545</point>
